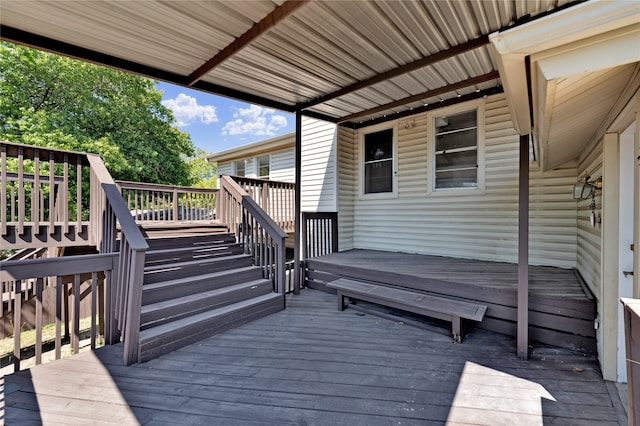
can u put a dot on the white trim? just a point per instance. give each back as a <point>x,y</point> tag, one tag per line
<point>479,106</point>
<point>361,134</point>
<point>574,24</point>
<point>277,143</point>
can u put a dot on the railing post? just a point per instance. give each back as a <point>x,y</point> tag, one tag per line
<point>175,203</point>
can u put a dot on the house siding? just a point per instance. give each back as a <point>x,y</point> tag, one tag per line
<point>225,168</point>
<point>469,225</point>
<point>318,175</point>
<point>590,237</point>
<point>283,167</point>
<point>347,186</point>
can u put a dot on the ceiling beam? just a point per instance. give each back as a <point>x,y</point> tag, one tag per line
<point>24,38</point>
<point>412,66</point>
<point>430,107</point>
<point>268,22</point>
<point>425,95</point>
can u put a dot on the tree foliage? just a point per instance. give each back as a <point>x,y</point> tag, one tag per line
<point>53,101</point>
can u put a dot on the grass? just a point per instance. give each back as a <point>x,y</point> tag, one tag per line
<point>28,341</point>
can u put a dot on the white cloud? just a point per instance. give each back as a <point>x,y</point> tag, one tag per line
<point>186,110</point>
<point>255,120</point>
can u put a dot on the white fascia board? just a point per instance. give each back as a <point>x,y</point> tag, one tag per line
<point>288,140</point>
<point>596,53</point>
<point>511,47</point>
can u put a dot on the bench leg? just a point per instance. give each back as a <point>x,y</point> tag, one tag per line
<point>455,328</point>
<point>340,301</point>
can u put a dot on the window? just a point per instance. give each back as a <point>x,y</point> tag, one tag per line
<point>264,166</point>
<point>378,162</point>
<point>239,168</point>
<point>456,150</point>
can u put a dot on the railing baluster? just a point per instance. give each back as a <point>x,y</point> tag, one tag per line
<point>58,343</point>
<point>94,293</point>
<point>21,207</point>
<point>3,190</point>
<point>64,202</point>
<point>35,193</point>
<point>79,196</point>
<point>17,324</point>
<point>39,285</point>
<point>52,193</point>
<point>75,337</point>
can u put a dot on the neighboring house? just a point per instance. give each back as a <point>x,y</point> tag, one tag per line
<point>272,159</point>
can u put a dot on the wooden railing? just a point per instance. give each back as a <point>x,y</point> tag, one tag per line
<point>59,274</point>
<point>70,199</point>
<point>319,234</point>
<point>124,300</point>
<point>277,199</point>
<point>42,197</point>
<point>260,234</point>
<point>166,203</point>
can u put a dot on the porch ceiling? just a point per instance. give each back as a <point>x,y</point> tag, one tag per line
<point>344,61</point>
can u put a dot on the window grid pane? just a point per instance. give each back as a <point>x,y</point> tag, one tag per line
<point>378,162</point>
<point>456,150</point>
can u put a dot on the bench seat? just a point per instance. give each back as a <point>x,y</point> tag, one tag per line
<point>411,301</point>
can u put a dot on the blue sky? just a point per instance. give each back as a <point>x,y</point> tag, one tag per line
<point>216,123</point>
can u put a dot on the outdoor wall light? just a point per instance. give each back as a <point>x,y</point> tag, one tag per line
<point>586,188</point>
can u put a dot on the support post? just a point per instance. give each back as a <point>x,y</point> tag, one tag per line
<point>297,207</point>
<point>636,204</point>
<point>523,250</point>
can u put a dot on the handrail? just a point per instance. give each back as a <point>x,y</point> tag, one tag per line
<point>277,198</point>
<point>124,303</point>
<point>260,234</point>
<point>166,203</point>
<point>18,275</point>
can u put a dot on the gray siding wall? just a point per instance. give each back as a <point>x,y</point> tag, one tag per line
<point>589,237</point>
<point>346,186</point>
<point>319,154</point>
<point>469,225</point>
<point>282,166</point>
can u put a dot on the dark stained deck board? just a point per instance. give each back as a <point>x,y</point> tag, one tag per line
<point>313,365</point>
<point>543,280</point>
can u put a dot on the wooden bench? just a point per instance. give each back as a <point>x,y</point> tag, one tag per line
<point>411,301</point>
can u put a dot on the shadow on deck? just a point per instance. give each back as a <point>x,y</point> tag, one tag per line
<point>313,365</point>
<point>561,309</point>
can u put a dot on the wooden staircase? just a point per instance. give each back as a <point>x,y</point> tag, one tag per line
<point>196,286</point>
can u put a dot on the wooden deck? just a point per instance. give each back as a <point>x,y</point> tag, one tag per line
<point>313,365</point>
<point>561,311</point>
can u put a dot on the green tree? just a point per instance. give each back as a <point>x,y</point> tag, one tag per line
<point>203,173</point>
<point>53,101</point>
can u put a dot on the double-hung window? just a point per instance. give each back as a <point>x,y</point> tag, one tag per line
<point>264,166</point>
<point>456,150</point>
<point>239,168</point>
<point>378,162</point>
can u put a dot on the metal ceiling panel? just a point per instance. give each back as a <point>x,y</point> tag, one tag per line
<point>321,48</point>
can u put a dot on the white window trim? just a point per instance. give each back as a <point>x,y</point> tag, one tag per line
<point>372,129</point>
<point>256,163</point>
<point>479,105</point>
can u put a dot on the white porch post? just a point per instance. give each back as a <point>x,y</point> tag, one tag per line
<point>636,205</point>
<point>297,208</point>
<point>523,251</point>
<point>609,255</point>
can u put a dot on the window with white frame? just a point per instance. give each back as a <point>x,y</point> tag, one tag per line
<point>456,144</point>
<point>239,168</point>
<point>378,162</point>
<point>264,166</point>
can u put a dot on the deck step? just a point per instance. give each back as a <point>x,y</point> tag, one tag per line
<point>174,270</point>
<point>160,243</point>
<point>168,337</point>
<point>173,309</point>
<point>197,252</point>
<point>180,287</point>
